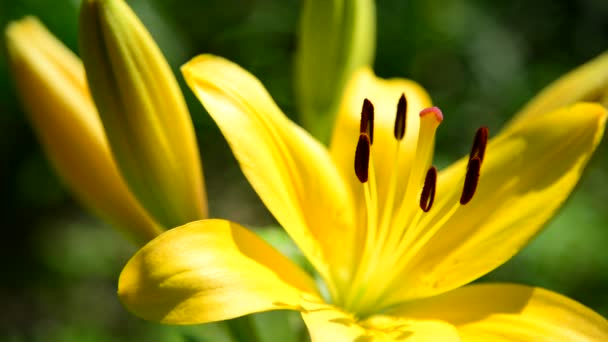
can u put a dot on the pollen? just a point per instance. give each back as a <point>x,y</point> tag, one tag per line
<point>470,180</point>
<point>367,120</point>
<point>400,119</point>
<point>479,144</point>
<point>427,197</point>
<point>362,157</point>
<point>478,151</point>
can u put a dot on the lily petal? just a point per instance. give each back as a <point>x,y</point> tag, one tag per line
<point>527,174</point>
<point>589,82</point>
<point>509,312</point>
<point>210,270</point>
<point>384,94</point>
<point>292,173</point>
<point>327,323</point>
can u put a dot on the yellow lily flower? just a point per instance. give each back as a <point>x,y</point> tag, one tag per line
<point>393,241</point>
<point>51,82</point>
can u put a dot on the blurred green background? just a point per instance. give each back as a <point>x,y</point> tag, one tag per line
<point>480,60</point>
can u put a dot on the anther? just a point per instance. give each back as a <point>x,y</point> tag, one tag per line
<point>479,144</point>
<point>367,120</point>
<point>362,157</point>
<point>400,119</point>
<point>427,197</point>
<point>471,179</point>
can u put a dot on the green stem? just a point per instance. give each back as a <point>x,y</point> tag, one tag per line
<point>242,329</point>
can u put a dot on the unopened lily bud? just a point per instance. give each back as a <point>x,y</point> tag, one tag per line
<point>143,111</point>
<point>51,82</point>
<point>336,37</point>
<point>588,82</point>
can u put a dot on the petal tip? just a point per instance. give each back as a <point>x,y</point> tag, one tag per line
<point>21,29</point>
<point>595,114</point>
<point>197,61</point>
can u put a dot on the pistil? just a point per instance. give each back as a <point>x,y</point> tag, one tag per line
<point>421,231</point>
<point>406,213</point>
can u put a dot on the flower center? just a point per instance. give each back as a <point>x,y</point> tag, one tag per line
<point>395,229</point>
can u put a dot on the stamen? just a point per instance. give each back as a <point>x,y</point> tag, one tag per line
<point>427,197</point>
<point>400,119</point>
<point>362,157</point>
<point>470,180</point>
<point>479,144</point>
<point>367,120</point>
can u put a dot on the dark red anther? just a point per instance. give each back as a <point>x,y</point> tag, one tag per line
<point>362,157</point>
<point>427,197</point>
<point>367,120</point>
<point>400,119</point>
<point>479,144</point>
<point>471,179</point>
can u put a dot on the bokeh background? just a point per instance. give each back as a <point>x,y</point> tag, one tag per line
<point>480,60</point>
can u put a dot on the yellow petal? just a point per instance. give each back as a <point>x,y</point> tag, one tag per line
<point>207,271</point>
<point>527,173</point>
<point>292,173</point>
<point>328,323</point>
<point>143,111</point>
<point>51,82</point>
<point>588,82</point>
<point>509,312</point>
<point>384,95</point>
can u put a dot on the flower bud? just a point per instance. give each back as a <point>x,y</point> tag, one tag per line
<point>51,83</point>
<point>336,37</point>
<point>143,111</point>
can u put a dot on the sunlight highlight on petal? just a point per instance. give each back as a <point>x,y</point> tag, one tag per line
<point>527,174</point>
<point>588,82</point>
<point>207,271</point>
<point>291,172</point>
<point>328,323</point>
<point>508,312</point>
